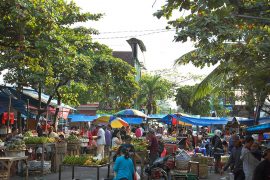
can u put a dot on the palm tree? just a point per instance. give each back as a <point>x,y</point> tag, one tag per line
<point>153,88</point>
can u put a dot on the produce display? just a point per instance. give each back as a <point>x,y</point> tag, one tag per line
<point>28,134</point>
<point>38,140</point>
<point>139,144</point>
<point>84,160</point>
<point>73,139</point>
<point>16,145</point>
<point>224,159</point>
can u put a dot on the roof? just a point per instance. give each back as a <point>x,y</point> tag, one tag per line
<point>125,56</point>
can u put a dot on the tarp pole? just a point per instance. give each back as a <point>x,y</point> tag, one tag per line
<point>27,118</point>
<point>9,107</point>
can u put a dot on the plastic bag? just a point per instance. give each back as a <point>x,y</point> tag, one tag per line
<point>164,153</point>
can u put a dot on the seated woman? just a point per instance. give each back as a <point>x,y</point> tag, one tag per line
<point>123,167</point>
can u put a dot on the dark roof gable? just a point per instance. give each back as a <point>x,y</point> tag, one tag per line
<point>125,56</point>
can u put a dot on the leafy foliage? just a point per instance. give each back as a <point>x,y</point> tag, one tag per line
<point>233,33</point>
<point>153,88</point>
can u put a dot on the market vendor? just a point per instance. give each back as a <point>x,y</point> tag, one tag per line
<point>153,146</point>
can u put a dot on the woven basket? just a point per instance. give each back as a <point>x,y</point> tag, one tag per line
<point>3,175</point>
<point>61,148</point>
<point>15,153</point>
<point>181,160</point>
<point>203,168</point>
<point>73,146</point>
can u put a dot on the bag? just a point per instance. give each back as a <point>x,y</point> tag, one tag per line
<point>164,152</point>
<point>136,176</point>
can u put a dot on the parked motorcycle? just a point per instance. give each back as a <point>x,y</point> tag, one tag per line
<point>159,169</point>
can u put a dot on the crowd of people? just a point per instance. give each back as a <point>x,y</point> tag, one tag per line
<point>247,161</point>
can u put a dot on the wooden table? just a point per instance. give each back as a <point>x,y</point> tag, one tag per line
<point>8,161</point>
<point>73,167</point>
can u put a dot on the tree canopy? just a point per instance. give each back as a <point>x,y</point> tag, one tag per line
<point>234,34</point>
<point>153,88</point>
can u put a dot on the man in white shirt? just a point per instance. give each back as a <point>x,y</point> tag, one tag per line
<point>100,141</point>
<point>249,161</point>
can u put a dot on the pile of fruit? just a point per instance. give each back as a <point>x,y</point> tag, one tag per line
<point>84,160</point>
<point>38,140</point>
<point>28,134</point>
<point>73,139</point>
<point>139,144</point>
<point>16,145</point>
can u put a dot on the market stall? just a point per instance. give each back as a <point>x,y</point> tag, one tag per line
<point>40,149</point>
<point>84,161</point>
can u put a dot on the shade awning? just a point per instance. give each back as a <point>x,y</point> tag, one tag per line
<point>81,118</point>
<point>259,128</point>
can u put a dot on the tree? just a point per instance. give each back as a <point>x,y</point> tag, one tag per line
<point>232,33</point>
<point>111,83</point>
<point>40,48</point>
<point>153,88</point>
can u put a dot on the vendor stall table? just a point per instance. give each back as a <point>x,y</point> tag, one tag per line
<point>8,161</point>
<point>73,167</point>
<point>52,145</point>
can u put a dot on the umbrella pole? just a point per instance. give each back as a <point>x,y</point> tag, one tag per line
<point>9,107</point>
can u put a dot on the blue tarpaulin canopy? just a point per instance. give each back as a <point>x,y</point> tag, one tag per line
<point>156,116</point>
<point>81,118</point>
<point>204,121</point>
<point>133,120</point>
<point>194,120</point>
<point>259,128</point>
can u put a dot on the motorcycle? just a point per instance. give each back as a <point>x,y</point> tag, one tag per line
<point>159,169</point>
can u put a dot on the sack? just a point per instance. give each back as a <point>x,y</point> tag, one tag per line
<point>182,159</point>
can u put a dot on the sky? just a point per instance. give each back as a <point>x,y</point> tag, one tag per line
<point>124,19</point>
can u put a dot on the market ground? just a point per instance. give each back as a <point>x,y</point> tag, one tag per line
<point>82,173</point>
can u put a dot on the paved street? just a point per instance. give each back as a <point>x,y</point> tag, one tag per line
<point>82,173</point>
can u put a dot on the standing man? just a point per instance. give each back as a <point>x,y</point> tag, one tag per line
<point>153,146</point>
<point>100,140</point>
<point>108,137</point>
<point>249,161</point>
<point>234,161</point>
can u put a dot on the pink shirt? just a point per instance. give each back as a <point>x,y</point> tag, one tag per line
<point>138,132</point>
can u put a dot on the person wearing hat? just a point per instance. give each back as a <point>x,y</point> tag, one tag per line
<point>262,171</point>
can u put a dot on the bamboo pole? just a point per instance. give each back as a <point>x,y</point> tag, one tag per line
<point>9,107</point>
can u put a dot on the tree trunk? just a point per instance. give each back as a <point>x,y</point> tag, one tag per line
<point>55,118</point>
<point>261,99</point>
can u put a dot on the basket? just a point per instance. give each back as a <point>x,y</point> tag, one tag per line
<point>203,169</point>
<point>15,153</point>
<point>73,146</point>
<point>3,175</point>
<point>181,160</point>
<point>61,148</point>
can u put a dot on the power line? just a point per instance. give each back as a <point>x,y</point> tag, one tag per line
<point>128,31</point>
<point>138,35</point>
